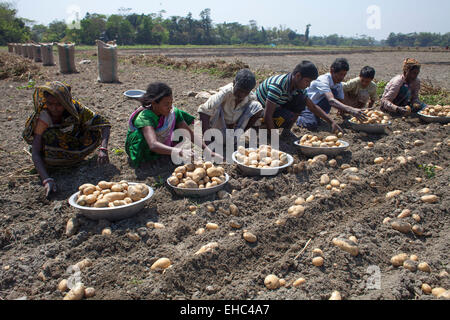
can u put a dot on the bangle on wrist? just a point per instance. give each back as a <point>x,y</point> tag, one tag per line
<point>44,183</point>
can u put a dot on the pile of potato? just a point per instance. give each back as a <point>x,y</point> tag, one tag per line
<point>437,111</point>
<point>264,157</point>
<point>198,176</point>
<point>374,117</point>
<point>315,141</point>
<point>110,194</point>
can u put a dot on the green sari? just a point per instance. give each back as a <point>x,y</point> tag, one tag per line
<point>137,147</point>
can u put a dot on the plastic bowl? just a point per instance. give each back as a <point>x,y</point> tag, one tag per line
<point>315,151</point>
<point>198,193</point>
<point>431,119</point>
<point>112,214</point>
<point>250,171</point>
<point>134,94</point>
<point>377,128</point>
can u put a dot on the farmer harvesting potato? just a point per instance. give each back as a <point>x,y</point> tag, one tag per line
<point>327,92</point>
<point>401,95</point>
<point>284,98</point>
<point>361,90</point>
<point>151,127</point>
<point>62,132</point>
<point>233,107</point>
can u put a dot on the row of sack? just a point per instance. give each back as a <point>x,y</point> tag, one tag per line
<point>43,52</point>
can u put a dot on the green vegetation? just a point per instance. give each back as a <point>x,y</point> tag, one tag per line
<point>429,170</point>
<point>153,29</point>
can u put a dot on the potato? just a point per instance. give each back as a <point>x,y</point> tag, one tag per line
<point>89,190</point>
<point>91,199</point>
<point>318,261</point>
<point>106,191</point>
<point>430,199</point>
<point>410,265</point>
<point>197,175</point>
<point>84,186</point>
<point>117,188</point>
<point>405,214</point>
<point>173,181</point>
<point>426,288</point>
<point>275,164</point>
<point>318,252</point>
<point>128,200</point>
<point>215,172</point>
<point>296,211</point>
<point>62,286</point>
<point>181,170</point>
<point>379,160</point>
<point>250,237</point>
<point>161,264</point>
<point>190,167</point>
<point>101,204</point>
<point>210,208</point>
<point>83,264</point>
<point>119,203</point>
<point>297,283</point>
<point>393,194</point>
<point>272,282</point>
<point>424,267</point>
<point>438,292</point>
<point>399,259</point>
<point>346,245</point>
<point>335,296</point>
<point>81,201</point>
<point>105,185</point>
<point>106,232</point>
<point>207,248</point>
<point>401,226</point>
<point>418,230</point>
<point>113,196</point>
<point>234,210</point>
<point>191,185</point>
<point>200,231</point>
<point>335,183</point>
<point>324,179</point>
<point>89,292</point>
<point>212,226</point>
<point>77,292</point>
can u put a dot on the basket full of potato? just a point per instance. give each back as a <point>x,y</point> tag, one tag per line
<point>377,122</point>
<point>111,200</point>
<point>198,179</point>
<point>264,161</point>
<point>438,113</point>
<point>312,145</point>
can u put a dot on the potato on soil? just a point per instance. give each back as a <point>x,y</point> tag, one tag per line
<point>76,293</point>
<point>161,264</point>
<point>272,282</point>
<point>346,245</point>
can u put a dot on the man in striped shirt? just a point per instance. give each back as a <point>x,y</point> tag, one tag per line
<point>284,98</point>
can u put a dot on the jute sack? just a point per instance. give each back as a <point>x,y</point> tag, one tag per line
<point>107,62</point>
<point>37,52</point>
<point>66,54</point>
<point>47,54</point>
<point>25,50</point>
<point>30,51</point>
<point>10,47</point>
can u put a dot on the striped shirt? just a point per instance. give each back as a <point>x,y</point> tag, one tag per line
<point>277,90</point>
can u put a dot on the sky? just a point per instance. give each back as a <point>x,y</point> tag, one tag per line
<point>344,17</point>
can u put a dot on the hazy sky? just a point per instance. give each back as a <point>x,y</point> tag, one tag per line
<point>344,17</point>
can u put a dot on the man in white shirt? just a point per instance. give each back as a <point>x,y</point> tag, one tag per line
<point>234,106</point>
<point>326,92</point>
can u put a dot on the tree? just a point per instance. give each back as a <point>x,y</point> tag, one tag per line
<point>92,28</point>
<point>206,24</point>
<point>56,31</point>
<point>12,28</point>
<point>38,31</point>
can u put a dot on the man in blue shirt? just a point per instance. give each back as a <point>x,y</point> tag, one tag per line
<point>326,92</point>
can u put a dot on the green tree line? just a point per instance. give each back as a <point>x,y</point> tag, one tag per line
<point>153,29</point>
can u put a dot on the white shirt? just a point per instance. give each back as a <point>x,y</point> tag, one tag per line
<point>226,99</point>
<point>323,84</point>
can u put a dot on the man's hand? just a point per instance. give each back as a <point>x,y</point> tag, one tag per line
<point>335,128</point>
<point>403,111</point>
<point>358,113</point>
<point>103,158</point>
<point>50,187</point>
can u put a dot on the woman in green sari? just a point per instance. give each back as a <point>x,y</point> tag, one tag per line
<point>62,132</point>
<point>151,127</point>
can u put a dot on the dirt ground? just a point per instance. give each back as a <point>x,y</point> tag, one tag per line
<point>35,253</point>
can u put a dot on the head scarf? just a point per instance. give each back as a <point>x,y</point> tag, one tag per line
<point>61,91</point>
<point>410,64</point>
